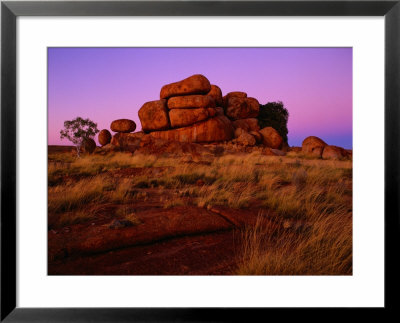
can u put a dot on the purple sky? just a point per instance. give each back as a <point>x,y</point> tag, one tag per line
<point>104,84</point>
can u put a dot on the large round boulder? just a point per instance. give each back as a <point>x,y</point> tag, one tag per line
<point>195,84</point>
<point>236,94</point>
<point>123,125</point>
<point>191,101</point>
<point>153,116</point>
<point>104,137</point>
<point>214,129</point>
<point>88,145</point>
<point>186,117</point>
<point>216,94</point>
<point>313,146</point>
<point>249,124</point>
<point>271,138</point>
<point>242,108</point>
<point>334,152</point>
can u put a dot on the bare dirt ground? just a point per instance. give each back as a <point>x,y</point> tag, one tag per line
<point>122,214</point>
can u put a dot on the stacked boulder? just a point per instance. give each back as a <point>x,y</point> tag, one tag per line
<point>124,139</point>
<point>188,111</point>
<point>194,111</point>
<point>243,111</point>
<point>315,147</point>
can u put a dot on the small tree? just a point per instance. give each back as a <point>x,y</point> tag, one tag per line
<point>275,115</point>
<point>78,130</point>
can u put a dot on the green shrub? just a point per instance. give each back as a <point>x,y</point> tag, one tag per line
<point>275,115</point>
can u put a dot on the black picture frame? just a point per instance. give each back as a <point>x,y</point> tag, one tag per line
<point>11,10</point>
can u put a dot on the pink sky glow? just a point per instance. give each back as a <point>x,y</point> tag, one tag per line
<point>104,84</point>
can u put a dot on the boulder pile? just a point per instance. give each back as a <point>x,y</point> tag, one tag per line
<point>194,111</point>
<point>243,112</point>
<point>188,111</point>
<point>124,139</point>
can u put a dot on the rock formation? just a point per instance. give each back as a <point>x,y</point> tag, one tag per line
<point>243,112</point>
<point>236,94</point>
<point>334,152</point>
<point>191,102</point>
<point>242,108</point>
<point>194,111</point>
<point>257,136</point>
<point>215,129</point>
<point>250,124</point>
<point>88,145</point>
<point>271,138</point>
<point>313,146</point>
<point>195,84</point>
<point>127,141</point>
<point>245,139</point>
<point>189,111</point>
<point>104,137</point>
<point>153,116</point>
<point>187,117</point>
<point>216,94</point>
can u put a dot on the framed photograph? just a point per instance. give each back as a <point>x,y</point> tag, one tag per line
<point>197,161</point>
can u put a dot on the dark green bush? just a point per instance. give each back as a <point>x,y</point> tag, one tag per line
<point>275,115</point>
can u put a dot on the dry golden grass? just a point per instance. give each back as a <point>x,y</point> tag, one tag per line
<point>322,247</point>
<point>316,193</point>
<point>80,201</point>
<point>68,197</point>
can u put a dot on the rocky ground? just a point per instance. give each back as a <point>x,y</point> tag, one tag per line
<point>197,210</point>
